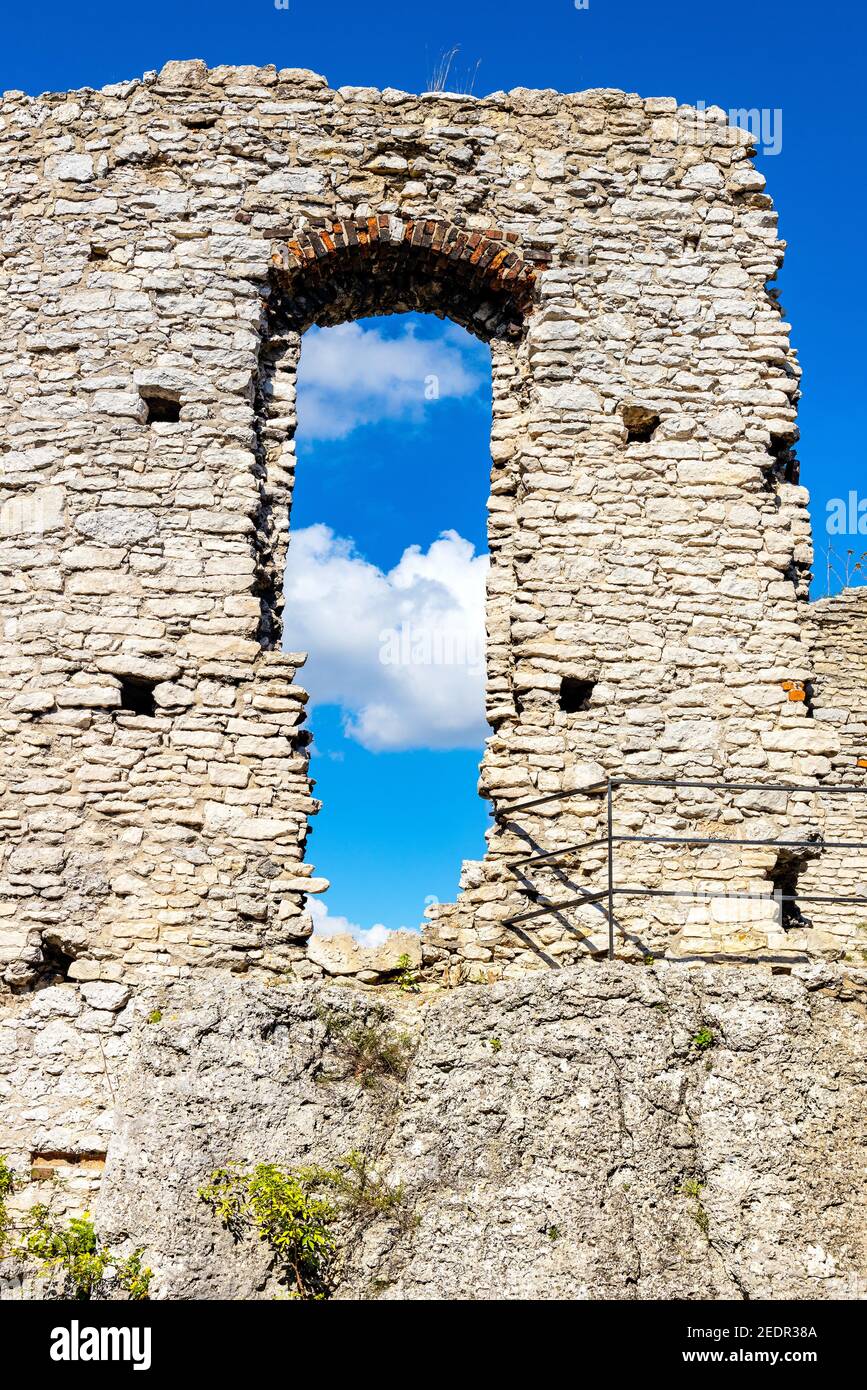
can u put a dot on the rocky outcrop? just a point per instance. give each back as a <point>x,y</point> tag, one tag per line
<point>598,1132</point>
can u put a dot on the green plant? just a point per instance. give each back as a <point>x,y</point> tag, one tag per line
<point>287,1214</point>
<point>553,1233</point>
<point>294,1212</point>
<point>407,979</point>
<point>74,1260</point>
<point>701,1219</point>
<point>495,1045</point>
<point>155,1016</point>
<point>355,1180</point>
<point>370,1049</point>
<point>7,1187</point>
<point>7,1177</point>
<point>693,1188</point>
<point>703,1039</point>
<point>133,1275</point>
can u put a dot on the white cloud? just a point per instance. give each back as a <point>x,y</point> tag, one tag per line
<point>353,375</point>
<point>401,651</point>
<point>326,925</point>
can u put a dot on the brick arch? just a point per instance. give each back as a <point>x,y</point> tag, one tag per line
<point>335,271</point>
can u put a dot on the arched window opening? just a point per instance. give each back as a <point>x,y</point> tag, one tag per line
<point>385,589</point>
<point>416,324</point>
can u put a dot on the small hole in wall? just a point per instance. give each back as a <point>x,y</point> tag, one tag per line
<point>800,693</point>
<point>575,694</point>
<point>640,423</point>
<point>98,253</point>
<point>691,240</point>
<point>55,964</point>
<point>47,1165</point>
<point>163,407</point>
<point>785,468</point>
<point>784,878</point>
<point>137,696</point>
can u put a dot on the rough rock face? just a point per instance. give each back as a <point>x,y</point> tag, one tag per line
<point>564,1135</point>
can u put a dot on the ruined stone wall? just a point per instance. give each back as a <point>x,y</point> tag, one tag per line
<point>166,242</point>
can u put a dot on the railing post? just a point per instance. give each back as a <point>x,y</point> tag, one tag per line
<point>610,874</point>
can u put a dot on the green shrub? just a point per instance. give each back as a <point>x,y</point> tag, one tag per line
<point>7,1187</point>
<point>74,1261</point>
<point>285,1212</point>
<point>294,1213</point>
<point>70,1257</point>
<point>369,1048</point>
<point>357,1183</point>
<point>407,979</point>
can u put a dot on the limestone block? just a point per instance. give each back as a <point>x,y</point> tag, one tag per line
<point>34,513</point>
<point>100,994</point>
<point>342,955</point>
<point>122,526</point>
<point>69,168</point>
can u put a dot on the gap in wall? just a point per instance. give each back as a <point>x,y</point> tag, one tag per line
<point>385,589</point>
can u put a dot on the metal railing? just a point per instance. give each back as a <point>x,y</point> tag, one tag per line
<point>608,787</point>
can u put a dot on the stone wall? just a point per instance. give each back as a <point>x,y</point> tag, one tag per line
<point>166,242</point>
<point>838,639</point>
<point>558,1136</point>
<point>60,1053</point>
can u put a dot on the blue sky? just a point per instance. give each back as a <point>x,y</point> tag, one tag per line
<point>386,555</point>
<point>801,59</point>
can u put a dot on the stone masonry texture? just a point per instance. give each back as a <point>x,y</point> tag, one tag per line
<point>165,244</point>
